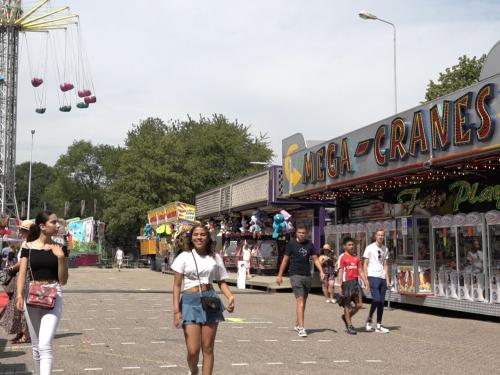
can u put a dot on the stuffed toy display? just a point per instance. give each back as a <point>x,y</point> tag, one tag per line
<point>148,231</point>
<point>279,225</point>
<point>244,224</point>
<point>257,223</point>
<point>288,221</point>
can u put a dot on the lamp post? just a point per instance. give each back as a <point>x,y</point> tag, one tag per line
<point>29,178</point>
<point>369,16</point>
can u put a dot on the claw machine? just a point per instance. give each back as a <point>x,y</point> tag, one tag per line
<point>471,261</point>
<point>493,231</point>
<point>403,256</point>
<point>331,238</point>
<point>413,270</point>
<point>360,238</point>
<point>445,255</point>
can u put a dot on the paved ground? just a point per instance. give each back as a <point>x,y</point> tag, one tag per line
<point>116,323</point>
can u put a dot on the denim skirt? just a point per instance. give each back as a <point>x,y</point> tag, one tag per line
<point>192,311</point>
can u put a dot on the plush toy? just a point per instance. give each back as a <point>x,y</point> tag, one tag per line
<point>255,227</point>
<point>244,224</point>
<point>288,221</point>
<point>279,225</point>
<point>148,231</point>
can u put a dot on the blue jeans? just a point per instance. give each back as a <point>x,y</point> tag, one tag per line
<point>378,288</point>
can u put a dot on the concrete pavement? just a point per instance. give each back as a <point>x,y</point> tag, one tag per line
<point>116,323</point>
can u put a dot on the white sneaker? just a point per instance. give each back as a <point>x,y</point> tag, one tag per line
<point>327,301</point>
<point>296,328</point>
<point>302,332</point>
<point>368,327</point>
<point>381,329</point>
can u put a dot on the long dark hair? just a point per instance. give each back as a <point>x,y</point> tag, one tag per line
<point>210,243</point>
<point>35,230</point>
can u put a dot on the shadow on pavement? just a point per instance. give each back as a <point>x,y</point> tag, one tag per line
<point>69,334</point>
<point>10,368</point>
<point>319,330</point>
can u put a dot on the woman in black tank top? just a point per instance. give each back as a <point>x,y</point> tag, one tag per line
<point>44,261</point>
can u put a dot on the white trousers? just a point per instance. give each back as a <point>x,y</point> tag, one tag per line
<point>42,324</point>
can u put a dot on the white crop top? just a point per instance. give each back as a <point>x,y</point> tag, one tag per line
<point>210,268</point>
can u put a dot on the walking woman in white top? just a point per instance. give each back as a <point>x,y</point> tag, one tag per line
<point>197,267</point>
<point>45,262</point>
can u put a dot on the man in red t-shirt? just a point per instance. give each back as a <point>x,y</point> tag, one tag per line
<point>349,270</point>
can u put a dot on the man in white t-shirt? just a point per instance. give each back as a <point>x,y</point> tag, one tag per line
<point>119,258</point>
<point>376,268</point>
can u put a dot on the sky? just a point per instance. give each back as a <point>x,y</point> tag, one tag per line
<point>279,66</point>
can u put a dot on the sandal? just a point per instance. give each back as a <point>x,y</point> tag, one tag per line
<point>22,340</point>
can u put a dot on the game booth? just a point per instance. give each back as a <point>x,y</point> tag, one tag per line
<point>161,237</point>
<point>85,238</point>
<point>248,215</point>
<point>429,177</point>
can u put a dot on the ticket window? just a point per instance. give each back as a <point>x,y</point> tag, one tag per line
<point>494,250</point>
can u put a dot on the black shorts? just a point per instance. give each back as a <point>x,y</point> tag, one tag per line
<point>352,289</point>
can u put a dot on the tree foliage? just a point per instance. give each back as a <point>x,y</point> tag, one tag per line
<point>465,73</point>
<point>42,176</point>
<point>163,162</point>
<point>160,163</point>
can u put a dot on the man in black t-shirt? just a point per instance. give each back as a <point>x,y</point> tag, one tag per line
<point>298,252</point>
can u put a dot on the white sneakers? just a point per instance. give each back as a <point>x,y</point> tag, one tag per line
<point>378,329</point>
<point>381,329</point>
<point>300,330</point>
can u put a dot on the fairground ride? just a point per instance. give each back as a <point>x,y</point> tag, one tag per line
<point>42,19</point>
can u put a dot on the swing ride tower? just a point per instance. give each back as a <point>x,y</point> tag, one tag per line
<point>14,20</point>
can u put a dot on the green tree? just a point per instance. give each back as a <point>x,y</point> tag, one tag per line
<point>218,150</point>
<point>82,173</point>
<point>162,163</point>
<point>42,176</point>
<point>465,73</point>
<point>150,173</point>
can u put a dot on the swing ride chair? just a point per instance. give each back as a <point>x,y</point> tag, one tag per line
<point>46,23</point>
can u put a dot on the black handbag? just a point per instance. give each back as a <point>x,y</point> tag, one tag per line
<point>209,304</point>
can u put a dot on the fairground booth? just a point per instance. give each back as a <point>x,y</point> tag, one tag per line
<point>85,239</point>
<point>241,215</point>
<point>429,176</point>
<point>160,237</point>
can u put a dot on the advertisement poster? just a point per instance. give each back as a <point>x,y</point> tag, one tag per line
<point>81,233</point>
<point>424,280</point>
<point>406,280</point>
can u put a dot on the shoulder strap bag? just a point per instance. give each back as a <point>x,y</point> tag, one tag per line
<point>39,295</point>
<point>209,304</point>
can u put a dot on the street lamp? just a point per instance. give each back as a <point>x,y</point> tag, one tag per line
<point>29,178</point>
<point>369,16</point>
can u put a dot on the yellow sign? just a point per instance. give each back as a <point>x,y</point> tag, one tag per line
<point>292,174</point>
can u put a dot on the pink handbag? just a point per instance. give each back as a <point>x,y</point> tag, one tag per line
<point>39,295</point>
<point>42,296</point>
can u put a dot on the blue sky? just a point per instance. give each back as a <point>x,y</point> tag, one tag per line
<point>281,66</point>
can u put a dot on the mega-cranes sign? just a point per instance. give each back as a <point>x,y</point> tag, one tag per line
<point>456,127</point>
